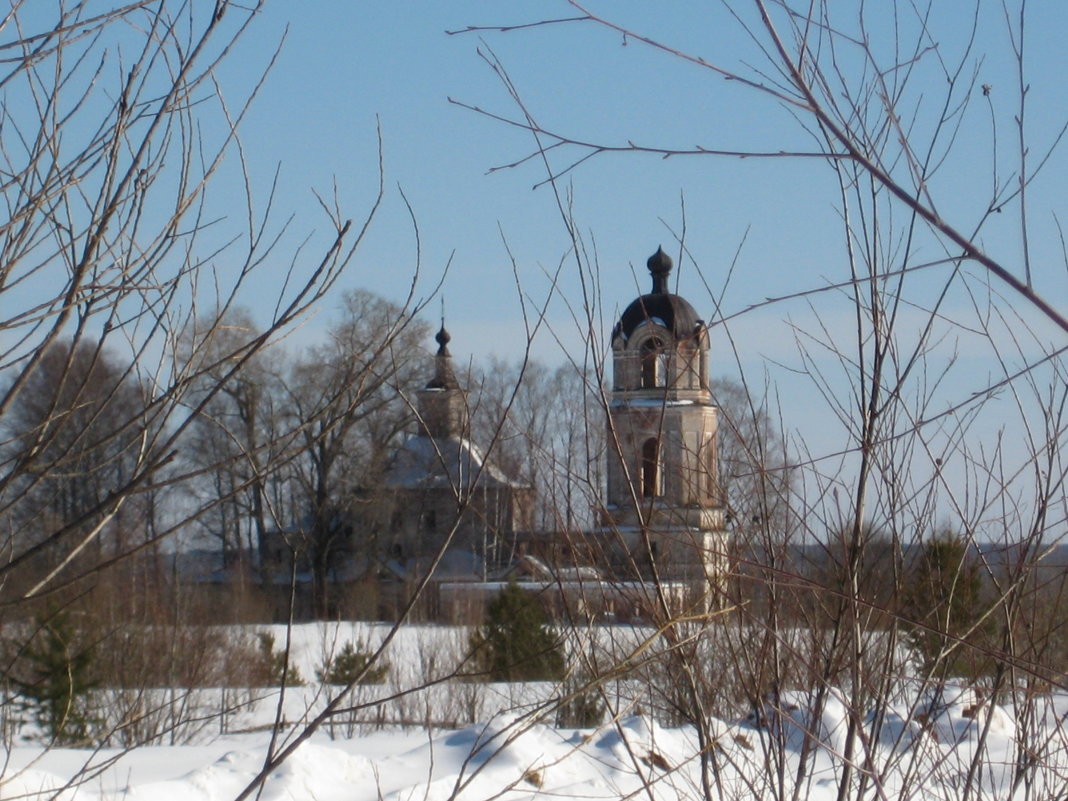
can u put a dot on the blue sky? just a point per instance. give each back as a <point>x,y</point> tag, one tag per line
<point>346,67</point>
<point>343,69</point>
<point>774,224</point>
<point>755,228</point>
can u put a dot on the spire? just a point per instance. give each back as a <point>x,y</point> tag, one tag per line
<point>444,378</point>
<point>659,265</point>
<point>442,403</point>
<point>442,337</point>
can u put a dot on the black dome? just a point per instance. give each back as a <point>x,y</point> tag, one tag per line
<point>443,378</point>
<point>671,311</point>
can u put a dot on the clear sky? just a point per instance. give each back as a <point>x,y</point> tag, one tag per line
<point>772,225</point>
<point>345,67</point>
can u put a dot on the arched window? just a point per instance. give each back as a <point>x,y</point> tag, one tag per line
<point>711,469</point>
<point>650,473</point>
<point>689,357</point>
<point>654,364</point>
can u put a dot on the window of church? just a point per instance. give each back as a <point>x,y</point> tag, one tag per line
<point>650,473</point>
<point>702,361</point>
<point>654,359</point>
<point>711,471</point>
<point>690,358</point>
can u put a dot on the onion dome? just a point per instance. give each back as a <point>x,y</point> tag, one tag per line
<point>444,378</point>
<point>443,339</point>
<point>660,306</point>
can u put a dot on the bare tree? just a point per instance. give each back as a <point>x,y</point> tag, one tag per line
<point>346,398</point>
<point>239,441</point>
<point>80,420</point>
<point>102,245</point>
<point>123,349</point>
<point>895,101</point>
<point>544,427</point>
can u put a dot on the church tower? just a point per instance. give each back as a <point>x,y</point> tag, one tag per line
<point>442,402</point>
<point>440,493</point>
<point>665,506</point>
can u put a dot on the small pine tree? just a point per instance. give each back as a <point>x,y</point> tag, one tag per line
<point>274,664</point>
<point>944,597</point>
<point>56,681</point>
<point>348,663</point>
<point>515,643</point>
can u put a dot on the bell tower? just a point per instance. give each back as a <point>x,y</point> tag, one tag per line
<point>665,506</point>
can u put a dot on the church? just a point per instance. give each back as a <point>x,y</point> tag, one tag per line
<point>443,509</point>
<point>663,516</point>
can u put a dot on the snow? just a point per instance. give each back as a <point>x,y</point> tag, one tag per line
<point>442,462</point>
<point>508,757</point>
<point>923,747</point>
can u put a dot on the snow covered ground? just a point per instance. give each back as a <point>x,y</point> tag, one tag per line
<point>513,754</point>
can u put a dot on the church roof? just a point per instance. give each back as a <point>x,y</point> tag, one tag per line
<point>659,306</point>
<point>670,311</point>
<point>445,462</point>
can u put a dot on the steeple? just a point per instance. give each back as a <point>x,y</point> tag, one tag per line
<point>659,265</point>
<point>659,307</point>
<point>442,403</point>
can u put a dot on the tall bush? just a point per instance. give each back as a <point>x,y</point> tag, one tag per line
<point>56,679</point>
<point>515,643</point>
<point>351,663</point>
<point>944,604</point>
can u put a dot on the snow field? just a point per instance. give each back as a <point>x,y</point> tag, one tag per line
<point>799,740</point>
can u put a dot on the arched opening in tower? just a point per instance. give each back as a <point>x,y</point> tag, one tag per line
<point>654,364</point>
<point>650,473</point>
